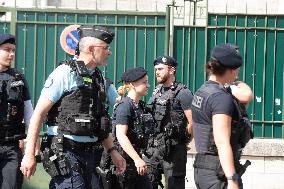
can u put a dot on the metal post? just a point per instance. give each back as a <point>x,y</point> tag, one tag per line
<point>167,29</point>
<point>194,9</point>
<point>194,12</point>
<point>13,21</point>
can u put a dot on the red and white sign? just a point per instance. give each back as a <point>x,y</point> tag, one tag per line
<point>69,39</point>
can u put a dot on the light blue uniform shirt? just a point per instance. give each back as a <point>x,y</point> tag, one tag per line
<point>62,80</point>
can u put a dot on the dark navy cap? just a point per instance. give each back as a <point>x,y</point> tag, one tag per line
<point>7,38</point>
<point>133,74</point>
<point>228,55</point>
<point>170,61</point>
<point>99,32</point>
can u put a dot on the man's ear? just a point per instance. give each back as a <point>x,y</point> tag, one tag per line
<point>91,49</point>
<point>172,70</point>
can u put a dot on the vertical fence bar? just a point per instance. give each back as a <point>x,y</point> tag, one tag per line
<point>35,58</point>
<point>274,71</point>
<point>145,42</point>
<point>182,57</point>
<point>188,58</point>
<point>135,41</point>
<point>194,59</point>
<point>264,74</point>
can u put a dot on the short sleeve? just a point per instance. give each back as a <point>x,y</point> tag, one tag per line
<point>111,95</point>
<point>222,103</point>
<point>123,114</point>
<point>57,83</point>
<point>185,97</point>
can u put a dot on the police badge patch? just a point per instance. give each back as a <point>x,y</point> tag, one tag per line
<point>48,82</point>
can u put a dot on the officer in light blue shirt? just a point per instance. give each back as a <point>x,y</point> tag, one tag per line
<point>63,79</point>
<point>73,101</point>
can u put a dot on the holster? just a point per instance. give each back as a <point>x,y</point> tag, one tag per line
<point>54,161</point>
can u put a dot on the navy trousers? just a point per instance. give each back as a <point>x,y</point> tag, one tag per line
<point>10,158</point>
<point>83,179</point>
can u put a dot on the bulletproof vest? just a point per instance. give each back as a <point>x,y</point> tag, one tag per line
<point>170,120</point>
<point>80,112</point>
<point>11,106</point>
<point>202,124</point>
<point>142,125</point>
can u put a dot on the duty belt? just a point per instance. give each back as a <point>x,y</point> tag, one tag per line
<point>9,143</point>
<point>81,146</point>
<point>212,162</point>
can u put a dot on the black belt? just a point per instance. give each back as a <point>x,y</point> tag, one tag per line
<point>9,142</point>
<point>81,146</point>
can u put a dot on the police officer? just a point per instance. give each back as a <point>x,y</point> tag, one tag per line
<point>74,98</point>
<point>217,127</point>
<point>133,126</point>
<point>15,105</point>
<point>171,102</point>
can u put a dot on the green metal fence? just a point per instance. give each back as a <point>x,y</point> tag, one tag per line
<point>261,41</point>
<point>140,37</point>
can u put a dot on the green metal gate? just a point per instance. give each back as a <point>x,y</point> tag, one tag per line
<point>140,37</point>
<point>261,41</point>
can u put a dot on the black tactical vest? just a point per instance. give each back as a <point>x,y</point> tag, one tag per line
<point>82,111</point>
<point>202,124</point>
<point>171,121</point>
<point>142,124</point>
<point>11,106</point>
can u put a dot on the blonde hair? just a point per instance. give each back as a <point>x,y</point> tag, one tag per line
<point>123,89</point>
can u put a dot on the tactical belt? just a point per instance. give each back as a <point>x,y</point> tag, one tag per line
<point>9,143</point>
<point>207,161</point>
<point>81,146</point>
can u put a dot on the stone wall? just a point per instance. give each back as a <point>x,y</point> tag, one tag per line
<point>266,170</point>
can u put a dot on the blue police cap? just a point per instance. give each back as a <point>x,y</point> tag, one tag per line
<point>133,74</point>
<point>227,55</point>
<point>99,32</point>
<point>168,60</point>
<point>7,38</point>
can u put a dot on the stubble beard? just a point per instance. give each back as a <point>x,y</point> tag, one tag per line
<point>162,79</point>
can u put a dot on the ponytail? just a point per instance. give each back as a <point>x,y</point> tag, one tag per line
<point>123,89</point>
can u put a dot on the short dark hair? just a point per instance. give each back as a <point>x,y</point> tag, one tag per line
<point>214,67</point>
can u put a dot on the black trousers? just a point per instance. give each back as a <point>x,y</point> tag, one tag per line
<point>173,167</point>
<point>10,158</point>
<point>208,179</point>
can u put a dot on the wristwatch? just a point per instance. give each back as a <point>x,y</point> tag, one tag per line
<point>234,178</point>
